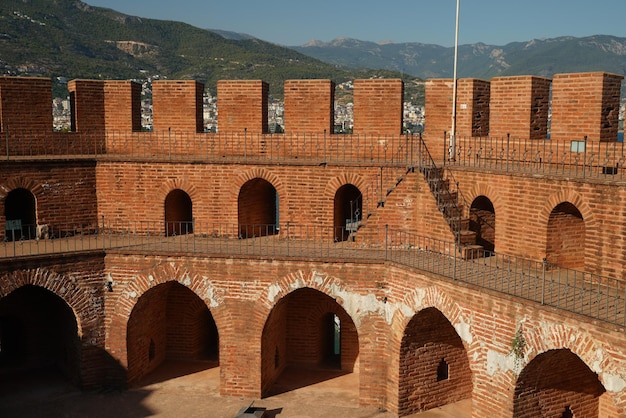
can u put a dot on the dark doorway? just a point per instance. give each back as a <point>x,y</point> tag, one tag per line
<point>308,337</point>
<point>169,332</point>
<point>257,209</point>
<point>348,211</point>
<point>566,245</point>
<point>483,222</point>
<point>38,335</point>
<point>178,213</point>
<point>20,215</point>
<point>331,340</point>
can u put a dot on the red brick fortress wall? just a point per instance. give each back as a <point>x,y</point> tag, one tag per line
<point>242,106</point>
<point>309,106</point>
<point>378,106</point>
<point>585,104</point>
<point>177,106</point>
<point>519,107</point>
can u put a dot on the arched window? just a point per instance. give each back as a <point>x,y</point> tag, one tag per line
<point>348,211</point>
<point>20,215</point>
<point>178,213</point>
<point>257,209</point>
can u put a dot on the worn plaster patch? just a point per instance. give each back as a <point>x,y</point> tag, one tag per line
<point>498,362</point>
<point>273,291</point>
<point>463,329</point>
<point>186,280</point>
<point>613,383</point>
<point>210,296</point>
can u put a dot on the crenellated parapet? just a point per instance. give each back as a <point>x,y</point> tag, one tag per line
<point>582,105</point>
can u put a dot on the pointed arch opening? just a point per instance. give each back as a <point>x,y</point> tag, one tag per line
<point>557,383</point>
<point>434,367</point>
<point>257,209</point>
<point>158,347</point>
<point>565,246</point>
<point>347,212</point>
<point>178,213</point>
<point>20,215</point>
<point>307,338</point>
<point>483,222</point>
<point>39,341</point>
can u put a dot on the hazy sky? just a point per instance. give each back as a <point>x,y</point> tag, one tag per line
<point>295,22</point>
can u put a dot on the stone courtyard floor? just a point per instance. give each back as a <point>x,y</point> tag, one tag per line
<point>195,394</point>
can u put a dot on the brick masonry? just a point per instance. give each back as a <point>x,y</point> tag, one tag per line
<point>400,328</point>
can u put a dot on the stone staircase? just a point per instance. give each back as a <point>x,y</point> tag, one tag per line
<point>448,200</point>
<point>445,192</point>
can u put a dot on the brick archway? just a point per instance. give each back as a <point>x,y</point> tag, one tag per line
<point>414,302</point>
<point>142,283</point>
<point>68,289</point>
<point>172,184</point>
<point>46,312</point>
<point>14,183</point>
<point>257,172</point>
<point>566,218</point>
<point>542,338</point>
<point>303,306</point>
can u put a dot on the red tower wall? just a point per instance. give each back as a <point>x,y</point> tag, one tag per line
<point>242,106</point>
<point>585,105</point>
<point>309,106</point>
<point>25,104</point>
<point>177,106</point>
<point>378,106</point>
<point>519,107</point>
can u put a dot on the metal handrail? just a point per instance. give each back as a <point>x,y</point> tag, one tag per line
<point>595,296</point>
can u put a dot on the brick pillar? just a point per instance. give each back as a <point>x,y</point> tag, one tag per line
<point>585,104</point>
<point>378,106</point>
<point>177,105</point>
<point>438,108</point>
<point>309,106</point>
<point>242,105</point>
<point>472,110</point>
<point>472,107</point>
<point>25,104</point>
<point>519,107</point>
<point>87,104</point>
<point>122,106</point>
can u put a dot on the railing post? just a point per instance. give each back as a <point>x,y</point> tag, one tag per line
<point>6,140</point>
<point>446,150</point>
<point>102,233</point>
<point>193,232</point>
<point>169,142</point>
<point>456,251</point>
<point>287,228</point>
<point>325,156</point>
<point>585,156</point>
<point>543,284</point>
<point>386,241</point>
<point>508,139</point>
<point>380,200</point>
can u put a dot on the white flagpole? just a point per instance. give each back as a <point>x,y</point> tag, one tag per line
<point>452,150</point>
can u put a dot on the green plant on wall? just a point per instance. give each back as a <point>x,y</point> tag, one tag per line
<point>518,347</point>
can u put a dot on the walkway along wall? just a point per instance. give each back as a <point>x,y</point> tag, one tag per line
<point>495,348</point>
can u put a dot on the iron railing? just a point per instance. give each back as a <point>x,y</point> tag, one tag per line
<point>598,297</point>
<point>577,158</point>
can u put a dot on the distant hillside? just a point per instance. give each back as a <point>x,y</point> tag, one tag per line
<point>537,57</point>
<point>69,38</point>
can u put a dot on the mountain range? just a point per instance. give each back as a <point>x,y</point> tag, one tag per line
<point>540,57</point>
<point>66,39</point>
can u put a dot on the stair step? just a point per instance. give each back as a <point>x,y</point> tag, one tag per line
<point>471,252</point>
<point>467,237</point>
